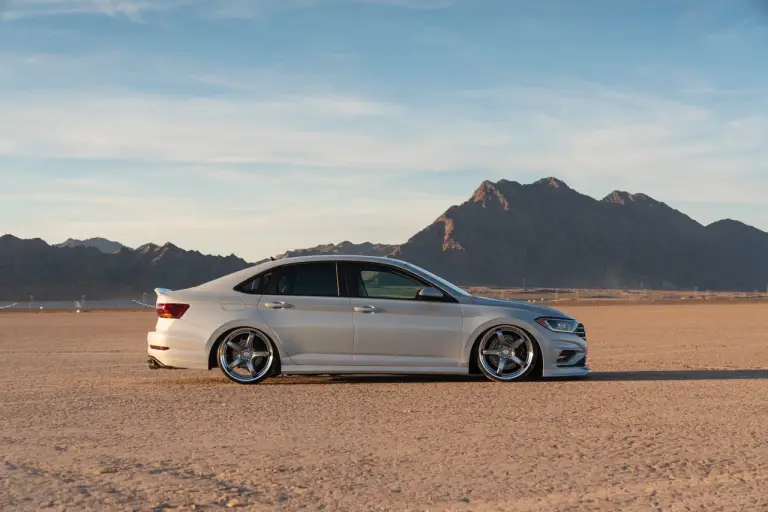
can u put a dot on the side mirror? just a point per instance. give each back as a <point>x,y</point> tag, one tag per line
<point>430,293</point>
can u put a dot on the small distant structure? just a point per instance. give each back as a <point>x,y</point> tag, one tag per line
<point>143,301</point>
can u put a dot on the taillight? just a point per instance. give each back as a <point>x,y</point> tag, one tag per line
<point>174,311</point>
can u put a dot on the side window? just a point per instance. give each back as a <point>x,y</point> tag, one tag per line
<point>385,283</point>
<point>308,280</point>
<point>259,285</point>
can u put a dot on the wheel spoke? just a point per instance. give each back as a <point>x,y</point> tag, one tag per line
<point>246,355</point>
<point>517,361</point>
<point>252,368</point>
<point>491,352</point>
<point>500,336</point>
<point>502,364</point>
<point>516,344</point>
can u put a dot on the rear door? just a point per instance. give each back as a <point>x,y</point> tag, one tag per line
<point>303,307</point>
<point>393,327</point>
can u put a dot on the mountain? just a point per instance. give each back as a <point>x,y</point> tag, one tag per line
<point>543,234</point>
<point>32,267</point>
<point>102,244</point>
<point>547,234</point>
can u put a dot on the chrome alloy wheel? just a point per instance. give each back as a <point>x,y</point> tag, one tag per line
<point>246,356</point>
<point>506,353</point>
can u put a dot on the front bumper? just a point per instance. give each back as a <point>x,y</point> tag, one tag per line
<point>565,355</point>
<point>566,372</point>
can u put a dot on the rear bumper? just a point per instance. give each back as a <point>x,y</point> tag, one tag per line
<point>168,351</point>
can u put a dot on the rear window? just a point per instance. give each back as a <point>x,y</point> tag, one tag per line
<point>258,285</point>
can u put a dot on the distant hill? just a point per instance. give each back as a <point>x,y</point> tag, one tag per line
<point>543,234</point>
<point>547,234</point>
<point>32,267</point>
<point>102,244</point>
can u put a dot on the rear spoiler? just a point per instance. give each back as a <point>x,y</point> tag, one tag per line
<point>162,291</point>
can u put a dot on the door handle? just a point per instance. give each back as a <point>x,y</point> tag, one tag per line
<point>365,309</point>
<point>276,305</point>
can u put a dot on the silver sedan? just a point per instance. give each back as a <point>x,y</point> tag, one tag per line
<point>358,315</point>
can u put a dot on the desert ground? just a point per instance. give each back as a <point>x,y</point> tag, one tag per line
<point>675,417</point>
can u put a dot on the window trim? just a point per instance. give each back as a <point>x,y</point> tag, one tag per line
<point>240,288</point>
<point>348,268</point>
<point>279,269</point>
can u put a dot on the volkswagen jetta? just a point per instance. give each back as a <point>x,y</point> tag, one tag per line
<point>357,314</point>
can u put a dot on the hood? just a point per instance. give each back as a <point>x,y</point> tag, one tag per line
<point>521,306</point>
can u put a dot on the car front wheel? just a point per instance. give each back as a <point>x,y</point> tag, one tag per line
<point>507,353</point>
<point>246,356</point>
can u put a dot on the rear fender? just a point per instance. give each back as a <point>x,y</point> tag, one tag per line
<point>251,323</point>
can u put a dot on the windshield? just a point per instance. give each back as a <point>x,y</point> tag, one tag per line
<point>439,280</point>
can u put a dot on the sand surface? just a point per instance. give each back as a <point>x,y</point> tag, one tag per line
<point>675,417</point>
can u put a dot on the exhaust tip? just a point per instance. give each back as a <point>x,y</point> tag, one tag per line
<point>154,364</point>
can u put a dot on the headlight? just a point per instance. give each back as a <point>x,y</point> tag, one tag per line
<point>559,324</point>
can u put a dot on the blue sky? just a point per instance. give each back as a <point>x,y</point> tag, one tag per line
<point>252,127</point>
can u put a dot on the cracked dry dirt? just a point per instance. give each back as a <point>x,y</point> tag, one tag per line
<point>675,417</point>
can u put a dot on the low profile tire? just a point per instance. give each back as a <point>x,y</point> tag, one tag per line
<point>507,353</point>
<point>246,356</point>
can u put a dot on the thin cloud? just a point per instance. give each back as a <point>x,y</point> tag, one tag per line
<point>411,4</point>
<point>134,9</point>
<point>748,32</point>
<point>577,132</point>
<point>131,9</point>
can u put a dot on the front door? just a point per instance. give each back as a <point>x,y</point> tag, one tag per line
<point>393,327</point>
<point>303,308</point>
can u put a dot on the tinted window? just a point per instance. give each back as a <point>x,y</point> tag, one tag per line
<point>384,283</point>
<point>308,280</point>
<point>259,285</point>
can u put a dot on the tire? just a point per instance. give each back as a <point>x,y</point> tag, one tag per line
<point>247,356</point>
<point>507,353</point>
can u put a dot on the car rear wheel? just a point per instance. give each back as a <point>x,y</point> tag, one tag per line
<point>507,353</point>
<point>246,356</point>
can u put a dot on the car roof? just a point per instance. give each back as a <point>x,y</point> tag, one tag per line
<point>232,280</point>
<point>337,257</point>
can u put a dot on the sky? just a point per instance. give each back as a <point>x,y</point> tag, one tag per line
<point>256,126</point>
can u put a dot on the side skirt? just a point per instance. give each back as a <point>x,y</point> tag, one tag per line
<point>294,369</point>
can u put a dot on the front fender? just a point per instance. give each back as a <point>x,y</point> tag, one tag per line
<point>251,323</point>
<point>474,330</point>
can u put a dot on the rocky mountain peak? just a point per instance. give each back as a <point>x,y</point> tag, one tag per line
<point>552,182</point>
<point>488,195</point>
<point>625,198</point>
<point>102,244</point>
<point>150,247</point>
